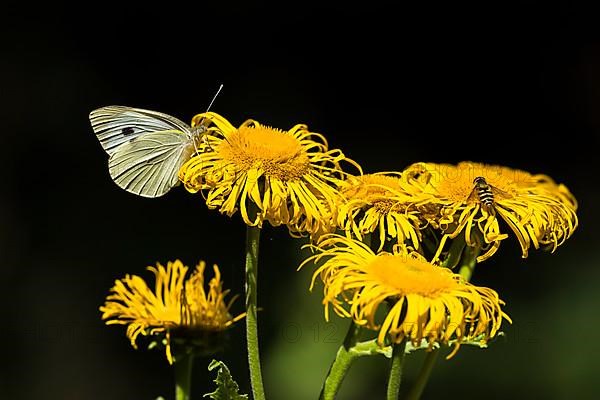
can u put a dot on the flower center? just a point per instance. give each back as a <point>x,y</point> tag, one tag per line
<point>409,275</point>
<point>379,190</point>
<point>277,153</point>
<point>368,186</point>
<point>457,183</point>
<point>385,206</point>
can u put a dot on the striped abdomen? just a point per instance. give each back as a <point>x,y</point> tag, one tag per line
<point>484,191</point>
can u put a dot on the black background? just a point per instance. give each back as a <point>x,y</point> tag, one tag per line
<point>513,85</point>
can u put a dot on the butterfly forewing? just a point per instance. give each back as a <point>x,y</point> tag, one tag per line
<point>148,165</point>
<point>117,125</point>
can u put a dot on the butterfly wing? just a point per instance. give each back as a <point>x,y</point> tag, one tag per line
<point>148,165</point>
<point>117,125</point>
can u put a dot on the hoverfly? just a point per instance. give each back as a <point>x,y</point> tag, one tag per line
<point>485,193</point>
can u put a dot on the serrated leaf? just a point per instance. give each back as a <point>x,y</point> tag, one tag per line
<point>478,341</point>
<point>370,347</point>
<point>227,388</point>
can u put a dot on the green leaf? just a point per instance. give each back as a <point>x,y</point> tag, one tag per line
<point>410,347</point>
<point>227,388</point>
<point>370,348</point>
<point>478,341</point>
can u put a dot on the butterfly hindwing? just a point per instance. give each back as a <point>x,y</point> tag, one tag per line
<point>148,165</point>
<point>117,125</point>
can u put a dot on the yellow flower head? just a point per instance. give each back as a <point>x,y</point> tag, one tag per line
<point>469,197</point>
<point>289,175</point>
<point>376,202</point>
<point>174,306</point>
<point>425,301</point>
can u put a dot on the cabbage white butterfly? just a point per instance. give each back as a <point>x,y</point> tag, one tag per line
<point>145,148</point>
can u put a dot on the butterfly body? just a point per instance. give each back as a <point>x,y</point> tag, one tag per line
<point>146,148</point>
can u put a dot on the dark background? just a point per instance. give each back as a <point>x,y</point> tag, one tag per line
<point>514,85</point>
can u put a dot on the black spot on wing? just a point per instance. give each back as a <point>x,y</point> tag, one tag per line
<point>127,131</point>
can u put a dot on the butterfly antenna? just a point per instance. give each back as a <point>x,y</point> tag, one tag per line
<point>207,110</point>
<point>214,98</point>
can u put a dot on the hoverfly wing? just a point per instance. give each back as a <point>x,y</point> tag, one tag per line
<point>485,193</point>
<point>499,194</point>
<point>116,125</point>
<point>473,196</point>
<point>148,165</point>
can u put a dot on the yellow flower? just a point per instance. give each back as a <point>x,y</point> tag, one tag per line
<point>469,196</point>
<point>425,301</point>
<point>175,306</point>
<point>289,175</point>
<point>376,202</point>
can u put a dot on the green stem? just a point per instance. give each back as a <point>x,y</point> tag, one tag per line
<point>341,364</point>
<point>252,242</point>
<point>455,252</point>
<point>344,357</point>
<point>469,260</point>
<point>367,240</point>
<point>183,376</point>
<point>395,377</point>
<point>421,382</point>
<point>467,266</point>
